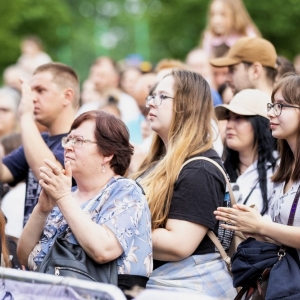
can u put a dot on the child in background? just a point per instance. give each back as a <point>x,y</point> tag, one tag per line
<point>228,20</point>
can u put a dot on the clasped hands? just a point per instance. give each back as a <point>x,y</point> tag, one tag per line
<point>240,217</point>
<point>56,184</point>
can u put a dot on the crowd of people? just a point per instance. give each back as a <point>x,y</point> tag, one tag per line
<point>107,159</point>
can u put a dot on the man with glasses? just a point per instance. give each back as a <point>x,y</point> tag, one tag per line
<point>252,64</point>
<point>50,98</point>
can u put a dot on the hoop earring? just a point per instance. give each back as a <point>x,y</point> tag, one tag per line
<point>103,168</point>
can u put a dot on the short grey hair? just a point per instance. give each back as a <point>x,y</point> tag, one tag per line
<point>13,94</point>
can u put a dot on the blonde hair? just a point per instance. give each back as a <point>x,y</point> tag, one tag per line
<point>190,133</point>
<point>241,18</point>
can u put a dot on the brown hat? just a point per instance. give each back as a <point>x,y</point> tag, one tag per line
<point>249,50</point>
<point>248,102</point>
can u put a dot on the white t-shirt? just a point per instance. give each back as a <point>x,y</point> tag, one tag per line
<point>127,106</point>
<point>13,208</point>
<point>248,181</point>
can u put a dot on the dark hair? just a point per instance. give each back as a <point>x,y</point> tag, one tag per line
<point>289,86</point>
<point>271,73</point>
<point>112,138</point>
<point>64,76</point>
<point>265,144</point>
<point>11,142</point>
<point>284,66</point>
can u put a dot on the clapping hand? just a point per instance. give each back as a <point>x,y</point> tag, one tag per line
<point>56,182</point>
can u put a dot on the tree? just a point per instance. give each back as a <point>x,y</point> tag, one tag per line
<point>19,18</point>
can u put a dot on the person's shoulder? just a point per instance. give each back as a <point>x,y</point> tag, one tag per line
<point>207,166</point>
<point>210,154</point>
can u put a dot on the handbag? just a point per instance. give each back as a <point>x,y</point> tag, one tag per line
<point>67,259</point>
<point>236,236</point>
<point>257,265</point>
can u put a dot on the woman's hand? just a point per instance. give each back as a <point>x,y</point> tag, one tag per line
<point>241,217</point>
<point>55,182</point>
<point>45,204</point>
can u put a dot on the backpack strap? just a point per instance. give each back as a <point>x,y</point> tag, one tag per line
<point>210,233</point>
<point>232,199</point>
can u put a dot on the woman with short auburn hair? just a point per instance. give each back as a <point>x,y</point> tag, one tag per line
<point>97,154</point>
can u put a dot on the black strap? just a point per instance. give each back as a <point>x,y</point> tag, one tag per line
<point>294,208</point>
<point>291,218</point>
<point>247,198</point>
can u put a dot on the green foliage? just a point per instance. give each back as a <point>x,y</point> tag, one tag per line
<point>77,31</point>
<point>23,17</point>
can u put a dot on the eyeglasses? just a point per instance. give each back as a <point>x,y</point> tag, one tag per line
<point>278,107</point>
<point>156,99</point>
<point>75,141</point>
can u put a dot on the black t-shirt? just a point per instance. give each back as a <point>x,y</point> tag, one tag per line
<point>17,164</point>
<point>199,190</point>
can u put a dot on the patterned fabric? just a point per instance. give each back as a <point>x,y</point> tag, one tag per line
<point>122,207</point>
<point>205,275</point>
<point>281,204</point>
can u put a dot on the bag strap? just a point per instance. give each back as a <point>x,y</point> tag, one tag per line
<point>293,208</point>
<point>210,233</point>
<point>220,248</point>
<point>232,199</point>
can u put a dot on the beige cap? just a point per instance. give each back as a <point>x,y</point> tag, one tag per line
<point>248,102</point>
<point>249,50</point>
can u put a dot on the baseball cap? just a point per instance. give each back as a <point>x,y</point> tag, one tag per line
<point>248,102</point>
<point>249,50</point>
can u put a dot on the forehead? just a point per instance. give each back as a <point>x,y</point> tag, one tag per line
<point>6,102</point>
<point>278,96</point>
<point>41,79</point>
<point>85,129</point>
<point>219,7</point>
<point>166,85</point>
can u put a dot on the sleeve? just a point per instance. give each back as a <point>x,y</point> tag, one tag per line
<point>54,144</point>
<point>127,215</point>
<point>198,192</point>
<point>17,165</point>
<point>59,155</point>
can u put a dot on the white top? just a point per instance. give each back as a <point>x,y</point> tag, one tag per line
<point>127,106</point>
<point>13,208</point>
<point>217,143</point>
<point>249,180</point>
<point>281,204</point>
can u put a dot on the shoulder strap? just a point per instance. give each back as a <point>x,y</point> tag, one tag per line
<point>293,208</point>
<point>232,199</point>
<point>210,233</point>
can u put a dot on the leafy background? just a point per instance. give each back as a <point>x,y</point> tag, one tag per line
<point>77,31</point>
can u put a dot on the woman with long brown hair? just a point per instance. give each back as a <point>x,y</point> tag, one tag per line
<point>180,113</point>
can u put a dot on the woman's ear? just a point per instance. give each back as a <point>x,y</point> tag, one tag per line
<point>107,159</point>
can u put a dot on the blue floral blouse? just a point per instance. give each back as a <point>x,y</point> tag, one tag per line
<point>123,208</point>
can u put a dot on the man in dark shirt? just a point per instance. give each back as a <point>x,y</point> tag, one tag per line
<point>51,99</point>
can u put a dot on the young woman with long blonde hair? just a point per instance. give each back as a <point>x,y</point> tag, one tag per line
<point>180,113</point>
